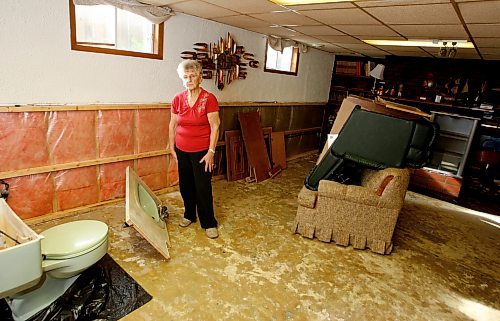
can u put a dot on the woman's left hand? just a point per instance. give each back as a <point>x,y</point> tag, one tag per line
<point>209,161</point>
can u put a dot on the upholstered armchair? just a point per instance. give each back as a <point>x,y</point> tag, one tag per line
<point>364,216</point>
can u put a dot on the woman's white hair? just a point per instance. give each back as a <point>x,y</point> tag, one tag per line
<point>188,64</point>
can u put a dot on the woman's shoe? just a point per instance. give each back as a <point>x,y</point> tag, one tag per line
<point>185,222</point>
<point>212,232</point>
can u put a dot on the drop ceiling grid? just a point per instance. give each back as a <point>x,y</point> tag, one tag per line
<point>334,25</point>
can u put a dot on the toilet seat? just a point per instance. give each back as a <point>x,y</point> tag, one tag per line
<point>73,239</point>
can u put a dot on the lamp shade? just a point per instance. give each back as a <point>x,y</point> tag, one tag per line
<point>378,72</point>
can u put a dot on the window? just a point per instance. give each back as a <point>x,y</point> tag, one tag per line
<point>109,30</point>
<point>283,63</point>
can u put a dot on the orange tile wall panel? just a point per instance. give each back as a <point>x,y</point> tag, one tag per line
<point>153,171</point>
<point>72,136</point>
<point>76,187</point>
<point>152,129</point>
<point>31,196</point>
<point>115,131</point>
<point>23,142</point>
<point>112,179</point>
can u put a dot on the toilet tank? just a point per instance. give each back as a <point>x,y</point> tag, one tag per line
<point>20,264</point>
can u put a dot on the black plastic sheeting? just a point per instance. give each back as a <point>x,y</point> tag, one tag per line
<point>102,292</point>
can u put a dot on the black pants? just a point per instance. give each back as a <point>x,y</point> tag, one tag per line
<point>196,188</point>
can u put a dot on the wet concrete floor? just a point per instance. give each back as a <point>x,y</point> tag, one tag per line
<point>445,264</point>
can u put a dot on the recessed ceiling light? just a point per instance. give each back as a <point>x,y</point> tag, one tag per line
<point>298,2</point>
<point>421,43</point>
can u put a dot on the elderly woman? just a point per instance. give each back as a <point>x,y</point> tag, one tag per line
<point>193,134</point>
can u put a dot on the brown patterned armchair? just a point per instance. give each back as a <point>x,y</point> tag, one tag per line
<point>364,216</point>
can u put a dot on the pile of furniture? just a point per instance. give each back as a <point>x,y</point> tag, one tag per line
<point>356,190</point>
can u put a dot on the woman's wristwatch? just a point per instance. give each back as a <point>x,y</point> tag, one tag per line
<point>211,150</point>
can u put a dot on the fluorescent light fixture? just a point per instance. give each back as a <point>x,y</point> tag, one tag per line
<point>422,43</point>
<point>299,2</point>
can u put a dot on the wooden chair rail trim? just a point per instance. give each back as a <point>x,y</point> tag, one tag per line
<point>42,108</point>
<point>72,165</point>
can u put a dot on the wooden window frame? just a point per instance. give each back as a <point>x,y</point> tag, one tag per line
<point>157,41</point>
<point>294,66</point>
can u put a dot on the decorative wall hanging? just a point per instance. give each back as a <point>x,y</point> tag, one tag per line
<point>225,61</point>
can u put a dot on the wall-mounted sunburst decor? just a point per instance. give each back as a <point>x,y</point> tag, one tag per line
<point>225,61</point>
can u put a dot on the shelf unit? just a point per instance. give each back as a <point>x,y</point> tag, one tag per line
<point>351,75</point>
<point>454,142</point>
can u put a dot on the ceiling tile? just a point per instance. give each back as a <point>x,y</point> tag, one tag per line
<point>480,12</point>
<point>491,57</point>
<point>306,39</point>
<point>372,51</point>
<point>416,14</point>
<point>412,54</point>
<point>353,54</point>
<point>484,30</point>
<point>159,2</point>
<point>381,38</point>
<point>242,21</point>
<point>487,42</point>
<point>432,31</point>
<point>376,54</point>
<point>277,31</point>
<point>338,5</point>
<point>201,9</point>
<point>490,51</point>
<point>390,3</point>
<point>359,46</point>
<point>366,30</point>
<point>317,30</point>
<point>341,16</point>
<point>286,18</point>
<point>340,39</point>
<point>330,46</point>
<point>467,54</point>
<point>247,6</point>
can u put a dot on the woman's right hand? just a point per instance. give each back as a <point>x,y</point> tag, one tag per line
<point>173,154</point>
